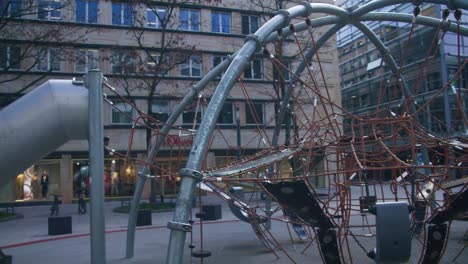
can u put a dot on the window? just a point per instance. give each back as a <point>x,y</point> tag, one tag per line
<point>192,114</point>
<point>160,110</point>
<point>217,60</point>
<point>220,22</point>
<point>192,68</point>
<point>11,8</point>
<point>86,60</point>
<point>249,24</point>
<point>156,18</point>
<point>122,14</point>
<point>190,19</point>
<point>49,9</point>
<point>253,70</point>
<point>10,57</point>
<point>122,62</point>
<point>255,114</point>
<point>48,59</point>
<point>227,114</point>
<point>152,62</point>
<point>122,113</point>
<point>87,11</point>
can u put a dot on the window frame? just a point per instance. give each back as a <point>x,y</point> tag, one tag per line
<point>122,18</point>
<point>166,106</point>
<point>188,109</point>
<point>126,62</point>
<point>49,10</point>
<point>90,56</point>
<point>50,57</point>
<point>115,105</point>
<point>190,25</point>
<point>158,19</point>
<point>223,111</point>
<point>250,118</point>
<point>221,59</point>
<point>14,8</point>
<point>217,17</point>
<point>250,65</point>
<point>190,65</point>
<point>250,29</point>
<point>9,65</point>
<point>87,11</point>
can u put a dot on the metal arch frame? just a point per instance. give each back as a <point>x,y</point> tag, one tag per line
<point>264,35</point>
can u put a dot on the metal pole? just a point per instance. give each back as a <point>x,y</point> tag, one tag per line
<point>444,79</point>
<point>96,159</point>
<point>239,152</point>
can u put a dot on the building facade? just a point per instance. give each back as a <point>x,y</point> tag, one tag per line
<point>151,52</point>
<point>368,85</point>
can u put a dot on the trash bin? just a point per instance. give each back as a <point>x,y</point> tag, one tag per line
<point>211,212</point>
<point>5,259</point>
<point>144,218</point>
<point>59,225</point>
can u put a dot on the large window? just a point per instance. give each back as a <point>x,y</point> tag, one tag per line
<point>48,59</point>
<point>220,22</point>
<point>192,114</point>
<point>86,60</point>
<point>10,57</point>
<point>192,67</point>
<point>156,18</point>
<point>253,69</point>
<point>49,9</point>
<point>122,113</point>
<point>11,8</point>
<point>190,19</point>
<point>249,24</point>
<point>122,62</point>
<point>122,14</point>
<point>160,110</point>
<point>255,115</point>
<point>87,11</point>
<point>227,115</point>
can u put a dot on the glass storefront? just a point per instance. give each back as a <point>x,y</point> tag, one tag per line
<point>119,177</point>
<point>39,181</point>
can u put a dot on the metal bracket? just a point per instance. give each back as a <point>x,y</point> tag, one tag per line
<point>179,226</point>
<point>286,15</point>
<point>198,176</point>
<point>308,7</point>
<point>258,42</point>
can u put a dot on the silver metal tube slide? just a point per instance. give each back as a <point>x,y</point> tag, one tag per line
<point>39,123</point>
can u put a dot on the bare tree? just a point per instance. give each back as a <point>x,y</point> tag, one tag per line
<point>30,41</point>
<point>156,59</point>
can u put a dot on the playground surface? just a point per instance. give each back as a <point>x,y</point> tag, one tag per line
<point>229,240</point>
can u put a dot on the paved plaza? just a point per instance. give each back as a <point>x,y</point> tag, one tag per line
<point>229,240</point>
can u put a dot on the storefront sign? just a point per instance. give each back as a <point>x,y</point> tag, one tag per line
<point>174,140</point>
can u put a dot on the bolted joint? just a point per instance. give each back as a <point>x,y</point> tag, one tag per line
<point>308,7</point>
<point>286,15</point>
<point>198,176</point>
<point>258,43</point>
<point>446,25</point>
<point>179,226</point>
